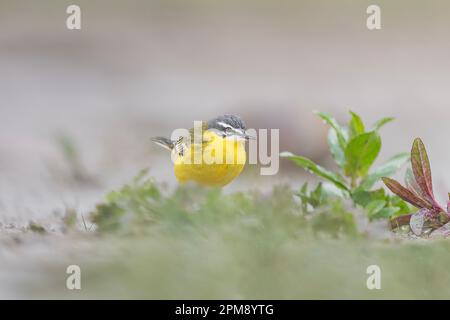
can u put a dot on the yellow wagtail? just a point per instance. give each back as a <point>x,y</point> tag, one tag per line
<point>216,157</point>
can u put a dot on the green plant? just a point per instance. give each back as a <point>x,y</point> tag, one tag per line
<point>130,207</point>
<point>431,218</point>
<point>354,150</point>
<point>37,228</point>
<point>140,207</point>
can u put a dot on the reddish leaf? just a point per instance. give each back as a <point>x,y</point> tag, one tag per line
<point>412,185</point>
<point>406,194</point>
<point>421,169</point>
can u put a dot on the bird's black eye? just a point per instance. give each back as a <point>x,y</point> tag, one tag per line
<point>226,131</point>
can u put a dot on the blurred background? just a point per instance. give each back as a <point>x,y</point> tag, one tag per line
<point>77,107</point>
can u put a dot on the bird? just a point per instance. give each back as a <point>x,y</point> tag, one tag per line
<point>215,158</point>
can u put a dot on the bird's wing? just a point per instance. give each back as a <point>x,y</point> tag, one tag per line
<point>204,128</point>
<point>183,143</point>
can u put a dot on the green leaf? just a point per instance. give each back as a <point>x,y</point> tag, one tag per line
<point>304,189</point>
<point>396,201</point>
<point>386,212</point>
<point>385,170</point>
<point>361,152</point>
<point>342,135</point>
<point>37,228</point>
<point>336,151</point>
<point>310,166</point>
<point>380,123</point>
<point>335,220</point>
<point>374,206</point>
<point>304,197</point>
<point>332,191</point>
<point>380,209</point>
<point>363,198</point>
<point>356,125</point>
<point>318,196</point>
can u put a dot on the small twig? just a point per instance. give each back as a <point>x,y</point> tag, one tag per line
<point>84,223</point>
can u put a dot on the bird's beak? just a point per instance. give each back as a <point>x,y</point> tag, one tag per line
<point>241,134</point>
<point>247,137</point>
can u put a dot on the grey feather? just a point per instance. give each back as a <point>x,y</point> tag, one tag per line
<point>164,142</point>
<point>225,121</point>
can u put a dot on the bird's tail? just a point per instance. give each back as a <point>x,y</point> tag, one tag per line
<point>164,142</point>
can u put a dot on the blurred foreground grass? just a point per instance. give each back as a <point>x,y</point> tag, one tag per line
<point>199,243</point>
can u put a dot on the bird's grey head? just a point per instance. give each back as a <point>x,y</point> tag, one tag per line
<point>229,125</point>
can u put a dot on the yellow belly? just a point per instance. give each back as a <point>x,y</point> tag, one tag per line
<point>217,163</point>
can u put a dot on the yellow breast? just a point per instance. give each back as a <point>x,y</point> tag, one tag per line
<point>216,162</point>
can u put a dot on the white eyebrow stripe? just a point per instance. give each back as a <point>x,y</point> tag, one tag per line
<point>225,125</point>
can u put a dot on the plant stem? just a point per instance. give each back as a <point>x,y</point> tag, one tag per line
<point>353,182</point>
